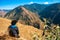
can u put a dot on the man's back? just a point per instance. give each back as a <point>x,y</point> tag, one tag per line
<point>13,29</point>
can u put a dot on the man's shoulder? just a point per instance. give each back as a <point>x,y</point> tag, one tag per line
<point>12,26</point>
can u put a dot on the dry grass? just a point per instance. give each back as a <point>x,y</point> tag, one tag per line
<point>26,32</point>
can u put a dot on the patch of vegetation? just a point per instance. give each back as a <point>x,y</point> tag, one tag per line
<point>49,34</point>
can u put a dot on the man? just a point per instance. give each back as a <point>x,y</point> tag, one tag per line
<point>13,29</point>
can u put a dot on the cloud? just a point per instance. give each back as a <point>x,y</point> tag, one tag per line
<point>46,3</point>
<point>31,2</point>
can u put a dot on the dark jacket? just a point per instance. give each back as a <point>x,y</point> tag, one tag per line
<point>13,29</point>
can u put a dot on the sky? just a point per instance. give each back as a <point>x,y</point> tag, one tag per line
<point>11,4</point>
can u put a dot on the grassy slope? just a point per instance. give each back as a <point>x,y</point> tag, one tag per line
<point>26,31</point>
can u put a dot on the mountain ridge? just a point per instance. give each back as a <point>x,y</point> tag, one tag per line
<point>52,12</point>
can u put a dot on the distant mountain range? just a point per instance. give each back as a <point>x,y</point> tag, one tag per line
<point>3,12</point>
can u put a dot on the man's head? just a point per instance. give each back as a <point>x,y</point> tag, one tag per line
<point>13,22</point>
